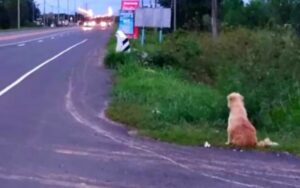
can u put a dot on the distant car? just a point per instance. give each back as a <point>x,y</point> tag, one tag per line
<point>88,25</point>
<point>103,25</point>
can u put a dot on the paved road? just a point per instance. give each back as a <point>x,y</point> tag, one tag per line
<point>53,132</point>
<point>11,38</point>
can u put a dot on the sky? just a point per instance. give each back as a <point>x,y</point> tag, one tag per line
<point>98,6</point>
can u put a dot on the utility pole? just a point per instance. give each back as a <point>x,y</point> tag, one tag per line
<point>44,13</point>
<point>214,18</point>
<point>19,15</point>
<point>58,12</point>
<point>68,4</point>
<point>75,11</point>
<point>175,15</point>
<point>33,10</point>
<point>142,3</point>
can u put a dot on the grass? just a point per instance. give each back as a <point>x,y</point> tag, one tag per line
<point>163,102</point>
<point>162,105</point>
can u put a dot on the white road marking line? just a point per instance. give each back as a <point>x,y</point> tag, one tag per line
<point>26,75</point>
<point>52,38</point>
<point>30,40</point>
<point>20,45</point>
<point>39,41</point>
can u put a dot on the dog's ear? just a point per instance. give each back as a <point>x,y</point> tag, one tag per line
<point>242,97</point>
<point>230,98</point>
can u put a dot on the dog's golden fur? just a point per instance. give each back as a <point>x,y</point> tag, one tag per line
<point>240,130</point>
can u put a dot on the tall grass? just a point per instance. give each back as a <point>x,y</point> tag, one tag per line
<point>178,92</point>
<point>161,103</point>
<point>262,65</point>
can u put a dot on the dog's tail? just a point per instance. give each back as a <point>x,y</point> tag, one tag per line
<point>267,142</point>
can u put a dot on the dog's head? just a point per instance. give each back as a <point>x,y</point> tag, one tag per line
<point>234,98</point>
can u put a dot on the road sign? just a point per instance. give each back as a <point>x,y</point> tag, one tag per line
<point>126,22</point>
<point>130,5</point>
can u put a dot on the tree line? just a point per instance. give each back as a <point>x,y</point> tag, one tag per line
<point>8,13</point>
<point>196,14</point>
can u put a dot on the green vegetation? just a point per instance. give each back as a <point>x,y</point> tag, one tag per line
<point>195,14</point>
<point>178,92</point>
<point>162,104</point>
<point>8,13</point>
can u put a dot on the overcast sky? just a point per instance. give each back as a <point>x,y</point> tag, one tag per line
<point>98,6</point>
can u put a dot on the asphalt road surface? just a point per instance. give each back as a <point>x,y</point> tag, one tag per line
<point>53,90</point>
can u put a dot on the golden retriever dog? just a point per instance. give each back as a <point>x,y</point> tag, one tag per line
<point>240,130</point>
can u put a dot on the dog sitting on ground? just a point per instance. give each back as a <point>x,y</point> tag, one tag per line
<point>240,130</point>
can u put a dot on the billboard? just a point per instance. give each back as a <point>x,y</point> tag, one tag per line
<point>126,22</point>
<point>153,17</point>
<point>129,5</point>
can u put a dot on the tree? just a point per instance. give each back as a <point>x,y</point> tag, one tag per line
<point>233,12</point>
<point>214,18</point>
<point>280,11</point>
<point>295,17</point>
<point>4,18</point>
<point>194,14</point>
<point>9,11</point>
<point>190,13</point>
<point>256,14</point>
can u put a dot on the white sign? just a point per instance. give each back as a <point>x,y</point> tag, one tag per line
<point>153,17</point>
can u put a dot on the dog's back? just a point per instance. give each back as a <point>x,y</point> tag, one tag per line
<point>241,132</point>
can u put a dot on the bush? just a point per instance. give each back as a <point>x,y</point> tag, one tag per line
<point>264,67</point>
<point>182,50</point>
<point>113,59</point>
<point>153,93</point>
<point>261,65</point>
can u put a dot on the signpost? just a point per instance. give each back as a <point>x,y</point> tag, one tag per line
<point>127,19</point>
